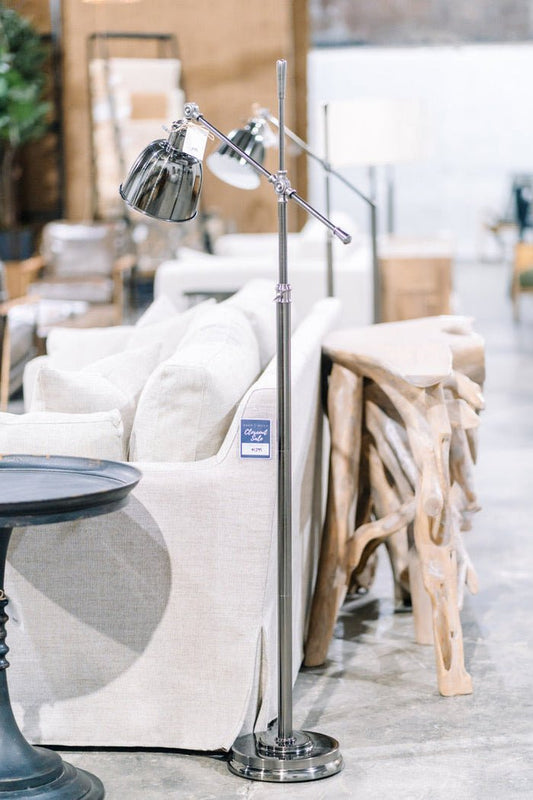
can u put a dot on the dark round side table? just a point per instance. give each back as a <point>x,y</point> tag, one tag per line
<point>35,490</point>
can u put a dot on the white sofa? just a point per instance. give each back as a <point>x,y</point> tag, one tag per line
<point>240,257</point>
<point>155,626</point>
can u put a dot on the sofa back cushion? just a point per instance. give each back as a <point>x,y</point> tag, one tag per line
<point>168,330</point>
<point>160,309</point>
<point>257,300</point>
<point>96,435</point>
<point>188,402</point>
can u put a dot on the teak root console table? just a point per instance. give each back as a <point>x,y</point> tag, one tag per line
<point>403,403</point>
<point>35,490</point>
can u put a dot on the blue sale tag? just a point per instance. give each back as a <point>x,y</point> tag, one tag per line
<point>255,438</point>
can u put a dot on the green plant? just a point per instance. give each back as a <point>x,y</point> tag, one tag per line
<point>23,111</point>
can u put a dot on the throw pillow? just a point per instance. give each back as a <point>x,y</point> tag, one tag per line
<point>74,348</point>
<point>112,382</point>
<point>188,403</point>
<point>96,435</point>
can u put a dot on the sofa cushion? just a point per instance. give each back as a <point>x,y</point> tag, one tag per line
<point>31,370</point>
<point>96,435</point>
<point>112,382</point>
<point>74,348</point>
<point>160,309</point>
<point>257,299</point>
<point>168,332</point>
<point>187,405</point>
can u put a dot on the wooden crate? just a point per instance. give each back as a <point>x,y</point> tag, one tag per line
<point>416,281</point>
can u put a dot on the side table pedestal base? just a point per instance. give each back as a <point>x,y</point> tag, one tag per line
<point>35,490</point>
<point>28,772</point>
<point>71,784</point>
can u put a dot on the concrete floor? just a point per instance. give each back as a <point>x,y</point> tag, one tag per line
<point>377,693</point>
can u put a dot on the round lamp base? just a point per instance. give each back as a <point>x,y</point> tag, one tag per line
<point>259,758</point>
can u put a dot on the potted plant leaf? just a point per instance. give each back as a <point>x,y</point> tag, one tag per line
<point>23,118</point>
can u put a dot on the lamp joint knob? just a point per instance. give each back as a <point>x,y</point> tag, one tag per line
<point>282,184</point>
<point>191,110</point>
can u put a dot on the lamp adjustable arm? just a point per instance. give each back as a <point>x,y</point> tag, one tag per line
<point>278,180</point>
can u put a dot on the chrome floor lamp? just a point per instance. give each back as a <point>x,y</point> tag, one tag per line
<point>165,182</point>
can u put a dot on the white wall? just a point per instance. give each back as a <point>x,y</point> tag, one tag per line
<point>480,117</point>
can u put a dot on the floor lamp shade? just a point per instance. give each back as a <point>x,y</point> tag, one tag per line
<point>165,181</point>
<point>372,131</point>
<point>229,166</point>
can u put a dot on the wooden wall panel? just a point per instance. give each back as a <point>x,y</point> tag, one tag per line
<point>37,11</point>
<point>229,52</point>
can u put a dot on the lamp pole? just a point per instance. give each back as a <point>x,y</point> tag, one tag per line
<point>327,188</point>
<point>283,323</point>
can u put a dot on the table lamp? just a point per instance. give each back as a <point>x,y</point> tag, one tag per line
<point>165,182</point>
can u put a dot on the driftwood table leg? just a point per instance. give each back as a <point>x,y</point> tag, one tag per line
<point>345,410</point>
<point>395,458</point>
<point>425,415</point>
<point>438,564</point>
<point>394,511</point>
<point>435,543</point>
<point>420,600</point>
